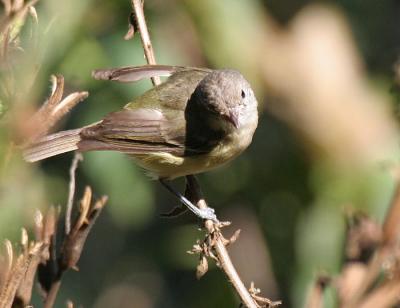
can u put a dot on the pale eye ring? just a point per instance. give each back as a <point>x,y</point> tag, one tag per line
<point>243,94</point>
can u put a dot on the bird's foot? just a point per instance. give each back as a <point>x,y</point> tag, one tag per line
<point>206,213</point>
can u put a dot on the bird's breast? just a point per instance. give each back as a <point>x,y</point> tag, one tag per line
<point>167,165</point>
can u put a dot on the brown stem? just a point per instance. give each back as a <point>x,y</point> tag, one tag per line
<point>52,294</point>
<point>220,248</point>
<point>137,6</point>
<point>78,157</point>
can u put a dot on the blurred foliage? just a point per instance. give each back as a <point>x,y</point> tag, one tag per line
<point>294,190</point>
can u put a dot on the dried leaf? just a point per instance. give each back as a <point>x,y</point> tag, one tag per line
<point>73,244</point>
<point>234,237</point>
<point>34,15</point>
<point>24,291</point>
<point>9,256</point>
<point>132,26</point>
<point>24,241</point>
<point>17,274</point>
<point>202,267</point>
<point>51,111</point>
<point>38,225</point>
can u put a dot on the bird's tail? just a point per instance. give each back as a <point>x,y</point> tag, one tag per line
<point>53,145</point>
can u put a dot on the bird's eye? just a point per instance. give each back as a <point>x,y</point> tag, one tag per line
<point>243,94</point>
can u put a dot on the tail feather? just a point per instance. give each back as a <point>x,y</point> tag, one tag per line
<point>53,145</point>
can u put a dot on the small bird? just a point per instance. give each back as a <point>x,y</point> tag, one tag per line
<point>195,121</point>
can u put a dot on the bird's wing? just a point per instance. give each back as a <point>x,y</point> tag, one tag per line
<point>136,73</point>
<point>172,94</point>
<point>141,127</point>
<point>137,131</point>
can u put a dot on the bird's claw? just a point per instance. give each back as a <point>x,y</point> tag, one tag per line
<point>207,214</point>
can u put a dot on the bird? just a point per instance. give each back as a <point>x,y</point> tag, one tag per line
<point>198,119</point>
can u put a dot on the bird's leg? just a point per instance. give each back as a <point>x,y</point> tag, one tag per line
<point>177,210</point>
<point>207,213</point>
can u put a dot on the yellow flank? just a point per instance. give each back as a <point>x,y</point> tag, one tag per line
<point>166,165</point>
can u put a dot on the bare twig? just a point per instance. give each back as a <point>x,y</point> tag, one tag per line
<point>77,157</point>
<point>137,6</point>
<point>219,244</point>
<point>52,294</point>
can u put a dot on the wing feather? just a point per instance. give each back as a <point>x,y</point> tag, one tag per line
<point>136,131</point>
<point>135,73</point>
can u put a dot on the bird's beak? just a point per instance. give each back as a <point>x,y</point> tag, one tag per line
<point>233,118</point>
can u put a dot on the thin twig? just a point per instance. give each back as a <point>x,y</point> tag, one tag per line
<point>78,157</point>
<point>137,6</point>
<point>221,253</point>
<point>52,294</point>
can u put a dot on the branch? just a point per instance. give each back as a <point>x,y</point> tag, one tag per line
<point>216,242</point>
<point>137,6</point>
<point>77,157</point>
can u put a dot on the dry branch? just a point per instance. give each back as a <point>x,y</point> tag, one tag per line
<point>214,246</point>
<point>138,15</point>
<point>77,157</point>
